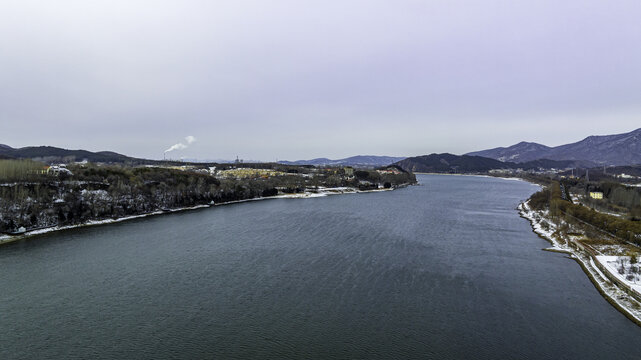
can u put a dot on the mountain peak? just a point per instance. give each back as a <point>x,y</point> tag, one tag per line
<point>618,149</point>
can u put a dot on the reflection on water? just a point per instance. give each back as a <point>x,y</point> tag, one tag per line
<point>446,270</point>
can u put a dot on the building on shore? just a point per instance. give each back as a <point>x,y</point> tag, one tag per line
<point>596,195</point>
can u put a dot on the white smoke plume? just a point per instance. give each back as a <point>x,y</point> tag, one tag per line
<point>189,139</point>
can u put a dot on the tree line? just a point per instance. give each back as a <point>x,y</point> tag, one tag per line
<point>550,199</point>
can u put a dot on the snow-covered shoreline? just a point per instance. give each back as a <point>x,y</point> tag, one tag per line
<point>613,292</point>
<point>11,238</point>
<point>320,192</point>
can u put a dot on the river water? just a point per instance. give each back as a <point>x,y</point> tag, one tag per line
<point>443,270</point>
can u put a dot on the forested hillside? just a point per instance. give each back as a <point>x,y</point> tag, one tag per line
<point>31,197</point>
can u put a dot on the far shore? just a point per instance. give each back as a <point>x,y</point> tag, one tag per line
<point>466,174</point>
<point>320,192</point>
<point>479,175</point>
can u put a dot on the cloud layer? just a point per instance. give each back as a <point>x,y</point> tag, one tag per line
<point>292,79</point>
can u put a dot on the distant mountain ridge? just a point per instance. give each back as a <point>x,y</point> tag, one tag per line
<point>359,160</point>
<point>612,150</point>
<point>619,149</point>
<point>449,163</point>
<point>525,151</point>
<point>50,154</point>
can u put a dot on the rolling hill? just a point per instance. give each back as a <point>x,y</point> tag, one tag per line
<point>449,163</point>
<point>50,154</point>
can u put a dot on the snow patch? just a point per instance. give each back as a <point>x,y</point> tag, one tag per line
<point>620,267</point>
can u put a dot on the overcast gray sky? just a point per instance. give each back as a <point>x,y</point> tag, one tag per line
<point>298,79</point>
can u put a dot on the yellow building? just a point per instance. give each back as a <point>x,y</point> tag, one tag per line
<point>596,195</point>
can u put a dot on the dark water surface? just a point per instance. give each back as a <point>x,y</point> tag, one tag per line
<point>445,270</point>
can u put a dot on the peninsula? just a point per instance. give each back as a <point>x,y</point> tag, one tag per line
<point>35,196</point>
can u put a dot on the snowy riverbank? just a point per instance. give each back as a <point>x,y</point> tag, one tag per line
<point>11,238</point>
<point>475,175</point>
<point>311,193</point>
<point>601,270</point>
